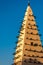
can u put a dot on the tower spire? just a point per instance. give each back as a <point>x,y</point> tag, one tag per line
<point>29,3</point>
<point>29,49</point>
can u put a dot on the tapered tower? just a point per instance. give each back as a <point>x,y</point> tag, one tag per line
<point>29,49</point>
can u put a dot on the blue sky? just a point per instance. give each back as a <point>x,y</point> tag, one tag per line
<point>11,14</point>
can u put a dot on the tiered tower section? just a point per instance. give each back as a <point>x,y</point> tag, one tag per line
<point>29,49</point>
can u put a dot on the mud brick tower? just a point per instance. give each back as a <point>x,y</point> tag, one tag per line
<point>29,50</point>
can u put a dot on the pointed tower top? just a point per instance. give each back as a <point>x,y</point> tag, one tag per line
<point>29,3</point>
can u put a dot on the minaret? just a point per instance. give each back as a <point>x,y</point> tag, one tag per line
<point>29,49</point>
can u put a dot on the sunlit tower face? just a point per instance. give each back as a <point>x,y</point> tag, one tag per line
<point>29,49</point>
